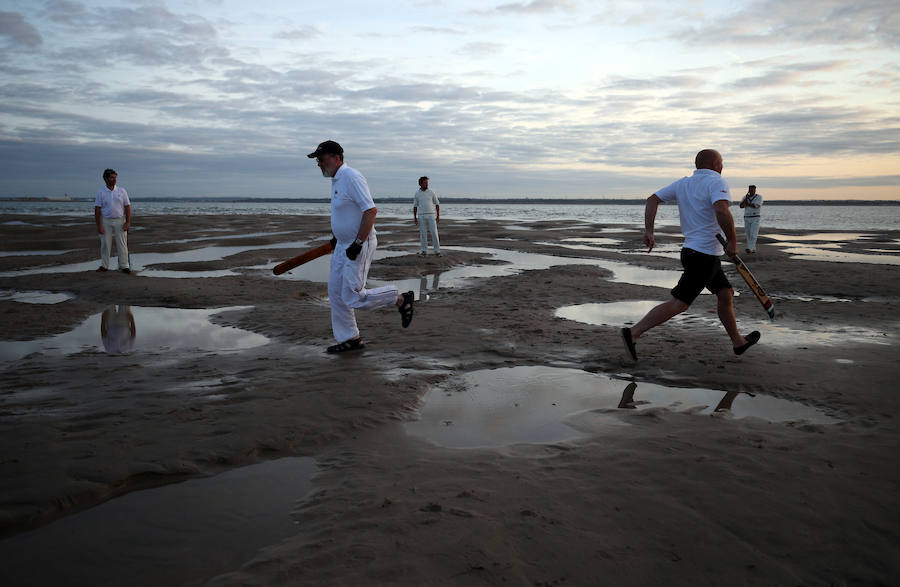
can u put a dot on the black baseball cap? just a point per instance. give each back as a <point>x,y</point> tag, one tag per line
<point>327,148</point>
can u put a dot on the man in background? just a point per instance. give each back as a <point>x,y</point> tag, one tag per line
<point>752,203</point>
<point>427,206</point>
<point>112,213</point>
<point>703,209</point>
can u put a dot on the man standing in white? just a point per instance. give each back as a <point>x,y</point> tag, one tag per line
<point>426,205</point>
<point>353,226</point>
<point>112,212</point>
<point>751,204</point>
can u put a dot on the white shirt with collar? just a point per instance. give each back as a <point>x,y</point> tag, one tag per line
<point>695,196</point>
<point>112,202</point>
<point>426,201</point>
<point>350,197</point>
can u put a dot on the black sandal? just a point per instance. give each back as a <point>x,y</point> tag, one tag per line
<point>348,345</point>
<point>406,308</point>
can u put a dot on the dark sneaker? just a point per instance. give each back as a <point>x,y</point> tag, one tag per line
<point>126,270</point>
<point>101,269</point>
<point>752,339</point>
<point>629,344</point>
<point>406,309</point>
<point>355,344</point>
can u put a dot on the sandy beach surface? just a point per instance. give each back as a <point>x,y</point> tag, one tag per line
<point>503,438</point>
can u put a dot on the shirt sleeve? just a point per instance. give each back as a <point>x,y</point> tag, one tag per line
<point>125,200</point>
<point>719,191</point>
<point>667,194</point>
<point>359,192</point>
<point>97,202</point>
<point>435,198</point>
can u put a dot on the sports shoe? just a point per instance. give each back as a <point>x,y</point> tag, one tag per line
<point>752,339</point>
<point>629,343</point>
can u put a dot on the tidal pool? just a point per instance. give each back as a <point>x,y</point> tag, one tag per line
<point>124,329</point>
<point>178,534</point>
<point>777,333</point>
<point>539,404</point>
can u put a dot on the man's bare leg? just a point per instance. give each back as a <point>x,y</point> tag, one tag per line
<point>658,315</point>
<point>725,307</point>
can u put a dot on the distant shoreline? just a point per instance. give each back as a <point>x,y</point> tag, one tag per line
<point>450,200</point>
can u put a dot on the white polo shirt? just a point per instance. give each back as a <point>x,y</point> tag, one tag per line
<point>350,197</point>
<point>426,201</point>
<point>112,202</point>
<point>695,196</point>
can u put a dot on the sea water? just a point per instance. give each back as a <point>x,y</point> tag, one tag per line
<point>782,216</point>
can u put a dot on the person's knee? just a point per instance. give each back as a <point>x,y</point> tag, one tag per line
<point>725,295</point>
<point>679,306</point>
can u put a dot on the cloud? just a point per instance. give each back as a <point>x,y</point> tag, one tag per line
<point>802,22</point>
<point>534,7</point>
<point>480,49</point>
<point>303,33</point>
<point>19,32</point>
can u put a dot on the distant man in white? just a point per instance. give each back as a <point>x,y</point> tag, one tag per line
<point>751,204</point>
<point>426,205</point>
<point>112,212</point>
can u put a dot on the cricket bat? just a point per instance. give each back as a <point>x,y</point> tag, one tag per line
<point>302,258</point>
<point>755,287</point>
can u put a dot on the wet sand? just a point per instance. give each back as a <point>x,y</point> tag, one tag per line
<point>665,495</point>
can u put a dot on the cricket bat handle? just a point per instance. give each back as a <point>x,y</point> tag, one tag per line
<point>302,258</point>
<point>722,240</point>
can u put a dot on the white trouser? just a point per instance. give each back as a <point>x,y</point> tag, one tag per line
<point>112,228</point>
<point>751,228</point>
<point>427,223</point>
<point>347,289</point>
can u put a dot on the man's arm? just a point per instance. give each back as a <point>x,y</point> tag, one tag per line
<point>415,218</point>
<point>98,218</point>
<point>127,218</point>
<point>437,207</point>
<point>650,209</point>
<point>726,222</point>
<point>366,224</point>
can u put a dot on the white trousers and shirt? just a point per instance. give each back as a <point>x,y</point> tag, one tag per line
<point>112,203</point>
<point>347,291</point>
<point>426,202</point>
<point>751,221</point>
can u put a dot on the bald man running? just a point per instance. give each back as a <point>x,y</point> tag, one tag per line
<point>703,208</point>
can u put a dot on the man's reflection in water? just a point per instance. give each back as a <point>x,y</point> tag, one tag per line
<point>627,402</point>
<point>423,285</point>
<point>117,329</point>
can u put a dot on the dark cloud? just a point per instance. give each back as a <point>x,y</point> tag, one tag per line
<point>18,31</point>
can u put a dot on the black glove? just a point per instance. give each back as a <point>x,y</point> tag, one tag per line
<point>333,242</point>
<point>353,250</point>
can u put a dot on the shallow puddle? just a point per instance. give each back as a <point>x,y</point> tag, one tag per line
<point>776,333</point>
<point>517,262</point>
<point>124,329</point>
<point>811,253</point>
<point>539,404</point>
<point>179,534</point>
<point>35,297</point>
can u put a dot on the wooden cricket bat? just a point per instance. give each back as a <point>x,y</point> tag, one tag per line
<point>303,258</point>
<point>755,287</point>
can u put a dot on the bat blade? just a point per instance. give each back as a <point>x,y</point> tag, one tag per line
<point>754,285</point>
<point>302,258</point>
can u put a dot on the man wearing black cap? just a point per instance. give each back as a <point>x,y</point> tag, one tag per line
<point>353,226</point>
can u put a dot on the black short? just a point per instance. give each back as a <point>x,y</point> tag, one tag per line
<point>700,270</point>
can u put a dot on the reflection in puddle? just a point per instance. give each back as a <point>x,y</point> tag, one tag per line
<point>822,236</point>
<point>774,334</point>
<point>141,261</point>
<point>609,314</point>
<point>550,404</point>
<point>35,297</point>
<point>122,329</point>
<point>178,534</point>
<point>822,254</point>
<point>519,261</point>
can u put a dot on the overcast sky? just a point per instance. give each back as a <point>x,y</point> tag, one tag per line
<point>539,98</point>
